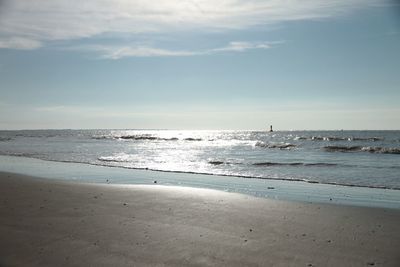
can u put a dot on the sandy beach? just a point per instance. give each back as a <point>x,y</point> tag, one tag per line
<point>54,223</point>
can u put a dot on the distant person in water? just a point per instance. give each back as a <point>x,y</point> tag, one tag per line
<point>270,128</point>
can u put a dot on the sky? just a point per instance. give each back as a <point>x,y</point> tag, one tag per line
<point>200,64</point>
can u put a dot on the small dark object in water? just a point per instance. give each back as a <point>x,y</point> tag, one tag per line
<point>270,187</point>
<point>155,182</point>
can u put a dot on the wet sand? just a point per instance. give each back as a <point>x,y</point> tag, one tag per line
<point>53,223</point>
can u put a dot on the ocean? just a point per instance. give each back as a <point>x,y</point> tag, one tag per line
<point>352,158</point>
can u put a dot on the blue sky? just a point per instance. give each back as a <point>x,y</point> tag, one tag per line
<point>199,64</point>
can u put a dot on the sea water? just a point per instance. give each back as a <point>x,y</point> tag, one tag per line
<point>353,158</point>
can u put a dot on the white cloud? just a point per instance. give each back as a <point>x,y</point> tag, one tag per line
<point>27,24</point>
<point>19,43</point>
<point>117,52</point>
<point>240,46</point>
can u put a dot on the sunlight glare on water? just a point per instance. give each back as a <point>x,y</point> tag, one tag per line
<point>363,158</point>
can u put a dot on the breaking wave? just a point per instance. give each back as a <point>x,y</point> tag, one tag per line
<point>329,138</point>
<point>216,162</point>
<point>193,139</point>
<point>271,164</point>
<point>374,139</point>
<point>382,150</point>
<point>144,137</point>
<point>280,146</point>
<point>116,158</point>
<point>339,138</point>
<point>295,164</point>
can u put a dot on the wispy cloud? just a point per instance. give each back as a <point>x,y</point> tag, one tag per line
<point>52,108</point>
<point>117,52</point>
<point>240,46</point>
<point>30,24</point>
<point>19,43</point>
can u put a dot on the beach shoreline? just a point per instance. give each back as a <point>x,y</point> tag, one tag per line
<point>46,222</point>
<point>264,188</point>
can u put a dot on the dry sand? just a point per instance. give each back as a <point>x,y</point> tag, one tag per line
<point>52,223</point>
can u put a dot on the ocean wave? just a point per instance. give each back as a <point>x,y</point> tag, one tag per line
<point>280,146</point>
<point>138,137</point>
<point>216,162</point>
<point>329,138</point>
<point>193,139</point>
<point>134,137</point>
<point>101,137</point>
<point>22,154</point>
<point>295,164</point>
<point>38,135</point>
<point>143,137</point>
<point>300,138</point>
<point>4,139</point>
<point>373,139</point>
<point>250,176</point>
<point>116,158</point>
<point>382,150</point>
<point>340,138</point>
<point>342,148</point>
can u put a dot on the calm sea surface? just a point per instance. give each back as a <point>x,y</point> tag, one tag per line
<point>360,158</point>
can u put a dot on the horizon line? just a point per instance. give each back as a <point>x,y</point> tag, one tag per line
<point>182,129</point>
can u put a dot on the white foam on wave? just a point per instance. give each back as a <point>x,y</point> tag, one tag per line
<point>120,157</point>
<point>281,145</point>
